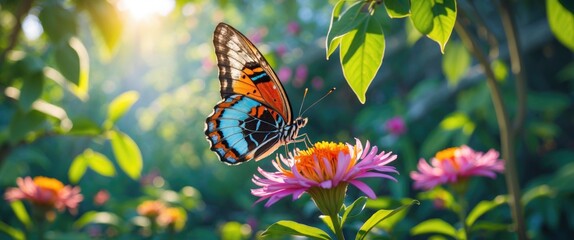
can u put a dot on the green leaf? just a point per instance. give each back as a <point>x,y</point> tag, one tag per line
<point>435,18</point>
<point>413,35</point>
<point>397,8</point>
<point>285,228</point>
<point>421,15</point>
<point>342,24</point>
<point>24,123</point>
<point>434,225</point>
<point>327,221</point>
<point>58,22</point>
<point>99,163</point>
<point>119,106</point>
<point>484,206</point>
<point>85,126</point>
<point>127,154</point>
<point>97,217</point>
<point>73,62</point>
<point>233,231</point>
<point>77,168</point>
<point>379,216</point>
<point>491,227</point>
<point>12,232</point>
<point>362,52</point>
<point>31,90</point>
<point>389,203</point>
<point>21,213</point>
<point>439,193</point>
<point>500,70</point>
<point>560,18</point>
<point>354,209</point>
<point>455,62</point>
<point>107,21</point>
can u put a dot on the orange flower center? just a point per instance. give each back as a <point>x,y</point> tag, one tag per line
<point>447,155</point>
<point>311,162</point>
<point>50,184</point>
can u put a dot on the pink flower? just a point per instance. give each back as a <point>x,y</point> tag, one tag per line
<point>317,83</point>
<point>284,74</point>
<point>325,166</point>
<point>396,126</point>
<point>455,164</point>
<point>46,192</point>
<point>293,28</point>
<point>300,75</point>
<point>101,197</point>
<point>281,50</point>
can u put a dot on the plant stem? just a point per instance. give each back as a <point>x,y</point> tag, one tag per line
<point>462,214</point>
<point>506,132</point>
<point>337,226</point>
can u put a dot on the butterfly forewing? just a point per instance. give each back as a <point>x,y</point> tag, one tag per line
<point>243,70</point>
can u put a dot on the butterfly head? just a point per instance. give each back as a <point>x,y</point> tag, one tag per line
<point>300,122</point>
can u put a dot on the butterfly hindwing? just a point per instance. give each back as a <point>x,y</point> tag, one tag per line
<point>254,117</point>
<point>241,128</point>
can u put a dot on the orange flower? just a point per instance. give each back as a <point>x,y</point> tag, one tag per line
<point>150,208</point>
<point>46,192</point>
<point>172,217</point>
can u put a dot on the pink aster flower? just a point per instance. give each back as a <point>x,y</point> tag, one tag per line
<point>396,126</point>
<point>453,165</point>
<point>46,193</point>
<point>324,171</point>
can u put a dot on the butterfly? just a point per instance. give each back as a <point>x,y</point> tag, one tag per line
<point>254,117</point>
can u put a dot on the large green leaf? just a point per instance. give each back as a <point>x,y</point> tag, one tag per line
<point>455,62</point>
<point>12,232</point>
<point>21,213</point>
<point>354,208</point>
<point>107,20</point>
<point>362,51</point>
<point>24,123</point>
<point>127,153</point>
<point>434,225</point>
<point>397,8</point>
<point>379,216</point>
<point>289,228</point>
<point>435,18</point>
<point>58,22</point>
<point>85,126</point>
<point>100,163</point>
<point>561,20</point>
<point>482,207</point>
<point>31,90</point>
<point>119,106</point>
<point>73,62</point>
<point>77,168</point>
<point>342,24</point>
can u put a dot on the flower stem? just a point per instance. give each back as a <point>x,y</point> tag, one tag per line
<point>329,202</point>
<point>462,214</point>
<point>506,131</point>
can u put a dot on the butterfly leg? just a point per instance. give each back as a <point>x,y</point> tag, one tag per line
<point>305,139</point>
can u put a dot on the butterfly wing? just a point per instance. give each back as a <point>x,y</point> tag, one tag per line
<point>243,70</point>
<point>247,123</point>
<point>241,129</point>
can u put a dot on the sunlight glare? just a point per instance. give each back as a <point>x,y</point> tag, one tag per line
<point>142,9</point>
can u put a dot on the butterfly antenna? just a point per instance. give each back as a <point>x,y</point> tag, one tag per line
<point>326,94</point>
<point>303,102</point>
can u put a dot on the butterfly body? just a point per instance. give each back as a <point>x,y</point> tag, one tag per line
<point>254,117</point>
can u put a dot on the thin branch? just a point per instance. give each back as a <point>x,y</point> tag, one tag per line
<point>517,65</point>
<point>506,132</point>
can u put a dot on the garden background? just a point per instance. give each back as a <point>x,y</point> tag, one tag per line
<point>112,96</point>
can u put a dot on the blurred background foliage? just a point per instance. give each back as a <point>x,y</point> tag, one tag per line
<point>113,95</point>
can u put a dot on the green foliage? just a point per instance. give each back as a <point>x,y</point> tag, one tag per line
<point>483,207</point>
<point>21,213</point>
<point>397,8</point>
<point>380,216</point>
<point>560,17</point>
<point>127,153</point>
<point>290,228</point>
<point>353,209</point>
<point>437,226</point>
<point>94,160</point>
<point>119,106</point>
<point>12,232</point>
<point>455,62</point>
<point>435,19</point>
